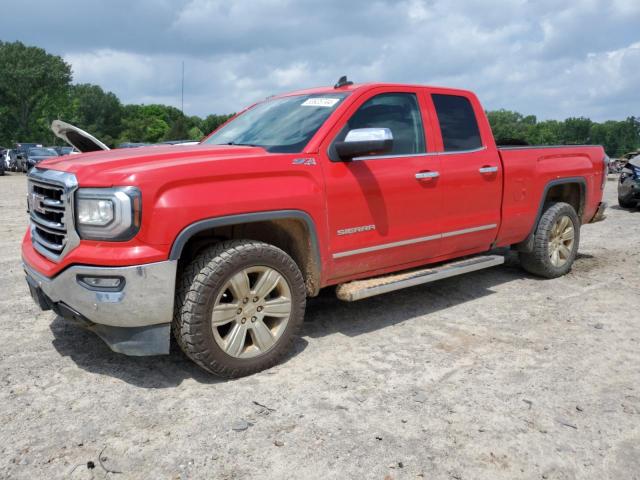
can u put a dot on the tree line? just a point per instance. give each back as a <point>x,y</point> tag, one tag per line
<point>617,137</point>
<point>36,88</point>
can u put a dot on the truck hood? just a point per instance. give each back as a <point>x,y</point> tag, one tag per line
<point>111,167</point>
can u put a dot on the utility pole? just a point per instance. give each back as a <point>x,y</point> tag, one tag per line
<point>182,101</point>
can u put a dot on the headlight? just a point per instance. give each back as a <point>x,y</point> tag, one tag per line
<point>93,211</point>
<point>108,213</point>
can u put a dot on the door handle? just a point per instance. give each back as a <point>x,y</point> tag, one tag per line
<point>427,175</point>
<point>487,169</point>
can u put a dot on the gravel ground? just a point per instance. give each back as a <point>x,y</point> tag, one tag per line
<point>494,375</point>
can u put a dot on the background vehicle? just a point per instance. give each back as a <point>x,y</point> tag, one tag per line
<point>616,165</point>
<point>10,160</point>
<point>37,154</point>
<point>13,160</point>
<point>629,184</point>
<point>3,165</point>
<point>358,186</point>
<point>134,145</point>
<point>179,142</point>
<point>21,154</point>
<point>64,150</point>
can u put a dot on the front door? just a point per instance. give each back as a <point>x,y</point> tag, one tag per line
<point>383,211</point>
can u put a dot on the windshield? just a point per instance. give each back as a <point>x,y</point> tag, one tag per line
<point>282,125</point>
<point>43,152</point>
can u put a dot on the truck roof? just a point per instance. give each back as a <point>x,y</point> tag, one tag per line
<point>368,86</point>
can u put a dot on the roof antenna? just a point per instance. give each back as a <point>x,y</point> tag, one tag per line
<point>343,82</point>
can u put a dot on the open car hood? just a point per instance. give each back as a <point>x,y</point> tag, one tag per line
<point>81,140</point>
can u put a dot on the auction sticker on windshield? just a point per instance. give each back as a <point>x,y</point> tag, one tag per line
<point>320,102</point>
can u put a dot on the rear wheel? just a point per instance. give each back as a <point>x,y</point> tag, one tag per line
<point>239,306</point>
<point>556,242</point>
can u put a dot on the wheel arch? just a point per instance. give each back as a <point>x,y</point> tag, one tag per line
<point>571,190</point>
<point>293,231</point>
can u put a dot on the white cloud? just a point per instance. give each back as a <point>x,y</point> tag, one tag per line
<point>542,57</point>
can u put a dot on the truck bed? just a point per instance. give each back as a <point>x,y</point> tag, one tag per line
<point>530,170</point>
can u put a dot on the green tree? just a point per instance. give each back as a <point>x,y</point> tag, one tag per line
<point>155,130</point>
<point>195,134</point>
<point>510,126</point>
<point>576,130</point>
<point>96,111</point>
<point>35,88</point>
<point>178,130</point>
<point>147,123</point>
<point>33,91</point>
<point>212,122</point>
<point>617,138</point>
<point>548,132</point>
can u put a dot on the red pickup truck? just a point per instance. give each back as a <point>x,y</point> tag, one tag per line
<point>371,187</point>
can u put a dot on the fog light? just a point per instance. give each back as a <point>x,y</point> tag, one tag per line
<point>101,283</point>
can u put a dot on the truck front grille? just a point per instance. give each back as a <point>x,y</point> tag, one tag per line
<point>50,203</point>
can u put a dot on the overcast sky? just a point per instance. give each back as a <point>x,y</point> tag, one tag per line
<point>550,58</point>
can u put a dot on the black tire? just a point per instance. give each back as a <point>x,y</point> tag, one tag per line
<point>200,283</point>
<point>538,261</point>
<point>624,203</point>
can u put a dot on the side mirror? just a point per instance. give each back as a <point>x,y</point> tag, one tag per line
<point>365,141</point>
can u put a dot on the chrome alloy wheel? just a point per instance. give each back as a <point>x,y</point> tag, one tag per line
<point>561,241</point>
<point>251,312</point>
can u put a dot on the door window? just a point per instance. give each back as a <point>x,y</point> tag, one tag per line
<point>458,123</point>
<point>400,113</point>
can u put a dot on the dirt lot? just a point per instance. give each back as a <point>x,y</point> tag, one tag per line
<point>489,376</point>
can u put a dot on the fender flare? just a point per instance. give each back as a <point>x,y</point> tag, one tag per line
<point>527,244</point>
<point>200,226</point>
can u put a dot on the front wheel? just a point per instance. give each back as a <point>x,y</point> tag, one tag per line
<point>556,242</point>
<point>239,306</point>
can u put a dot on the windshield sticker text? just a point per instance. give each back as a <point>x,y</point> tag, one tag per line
<point>320,102</point>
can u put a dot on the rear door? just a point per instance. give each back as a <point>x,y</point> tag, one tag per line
<point>471,180</point>
<point>383,211</point>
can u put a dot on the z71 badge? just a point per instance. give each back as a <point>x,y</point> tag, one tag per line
<point>304,161</point>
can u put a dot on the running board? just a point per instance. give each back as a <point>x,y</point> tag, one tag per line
<point>369,287</point>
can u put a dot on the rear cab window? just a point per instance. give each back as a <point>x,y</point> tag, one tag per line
<point>458,123</point>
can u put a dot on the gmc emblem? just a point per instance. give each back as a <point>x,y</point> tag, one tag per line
<point>35,203</point>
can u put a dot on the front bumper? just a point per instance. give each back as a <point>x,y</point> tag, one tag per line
<point>135,320</point>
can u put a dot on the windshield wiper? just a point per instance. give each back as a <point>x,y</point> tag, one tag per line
<point>241,144</point>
